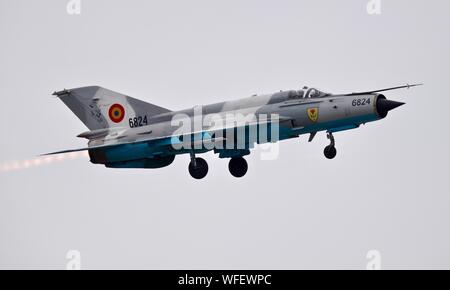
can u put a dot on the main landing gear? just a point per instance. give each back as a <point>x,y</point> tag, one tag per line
<point>198,167</point>
<point>238,166</point>
<point>330,151</point>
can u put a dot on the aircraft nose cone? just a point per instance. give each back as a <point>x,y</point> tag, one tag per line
<point>388,105</point>
<point>384,106</point>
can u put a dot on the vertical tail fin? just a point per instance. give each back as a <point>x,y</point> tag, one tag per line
<point>100,108</point>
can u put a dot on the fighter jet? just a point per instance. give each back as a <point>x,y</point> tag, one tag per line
<point>125,132</point>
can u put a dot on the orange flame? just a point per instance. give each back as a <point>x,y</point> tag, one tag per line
<point>39,161</point>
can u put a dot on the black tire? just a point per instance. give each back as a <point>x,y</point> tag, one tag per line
<point>199,171</point>
<point>238,167</point>
<point>330,152</point>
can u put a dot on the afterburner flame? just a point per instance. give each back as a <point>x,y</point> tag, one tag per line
<point>18,165</point>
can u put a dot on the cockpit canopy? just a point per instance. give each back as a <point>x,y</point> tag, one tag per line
<point>307,93</point>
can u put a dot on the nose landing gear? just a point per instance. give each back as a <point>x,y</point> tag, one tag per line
<point>330,151</point>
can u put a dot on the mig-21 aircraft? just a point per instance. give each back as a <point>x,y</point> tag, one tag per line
<point>125,132</point>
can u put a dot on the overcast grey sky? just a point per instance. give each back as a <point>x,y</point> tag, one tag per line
<point>388,189</point>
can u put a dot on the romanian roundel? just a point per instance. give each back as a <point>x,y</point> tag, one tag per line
<point>116,113</point>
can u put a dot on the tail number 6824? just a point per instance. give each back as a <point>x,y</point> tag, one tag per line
<point>138,121</point>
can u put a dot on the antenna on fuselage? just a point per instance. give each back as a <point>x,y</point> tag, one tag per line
<point>384,90</point>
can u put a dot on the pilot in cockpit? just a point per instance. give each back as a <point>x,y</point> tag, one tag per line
<point>307,93</point>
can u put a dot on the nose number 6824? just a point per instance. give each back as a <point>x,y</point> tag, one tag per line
<point>360,102</point>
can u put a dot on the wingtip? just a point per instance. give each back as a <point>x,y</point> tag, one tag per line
<point>47,154</point>
<point>61,93</point>
<point>414,85</point>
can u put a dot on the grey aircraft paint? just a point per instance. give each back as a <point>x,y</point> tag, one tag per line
<point>129,133</point>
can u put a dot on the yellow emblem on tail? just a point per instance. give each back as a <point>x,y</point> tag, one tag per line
<point>313,114</point>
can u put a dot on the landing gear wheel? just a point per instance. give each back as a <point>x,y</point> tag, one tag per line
<point>238,166</point>
<point>330,152</point>
<point>199,168</point>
